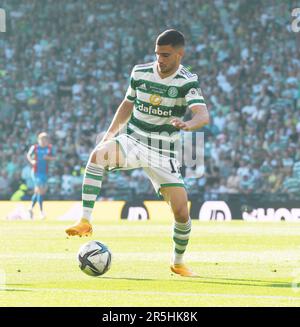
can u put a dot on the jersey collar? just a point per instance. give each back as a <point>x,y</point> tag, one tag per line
<point>166,79</point>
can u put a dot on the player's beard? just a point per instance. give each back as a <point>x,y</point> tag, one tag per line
<point>166,69</point>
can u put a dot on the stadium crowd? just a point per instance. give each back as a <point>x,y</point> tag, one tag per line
<point>65,65</point>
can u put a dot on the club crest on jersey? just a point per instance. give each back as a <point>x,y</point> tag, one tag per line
<point>172,92</point>
<point>155,99</point>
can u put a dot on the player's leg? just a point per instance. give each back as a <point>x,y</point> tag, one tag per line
<point>40,198</point>
<point>34,197</point>
<point>33,202</point>
<point>107,155</point>
<point>178,201</point>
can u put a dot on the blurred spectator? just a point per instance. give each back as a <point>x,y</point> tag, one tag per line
<point>233,183</point>
<point>20,194</point>
<point>5,188</point>
<point>291,184</point>
<point>247,183</point>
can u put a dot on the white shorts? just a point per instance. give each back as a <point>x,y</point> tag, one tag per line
<point>161,170</point>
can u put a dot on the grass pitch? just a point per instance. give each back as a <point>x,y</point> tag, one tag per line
<point>239,264</point>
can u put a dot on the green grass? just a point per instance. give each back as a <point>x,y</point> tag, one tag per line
<point>239,264</point>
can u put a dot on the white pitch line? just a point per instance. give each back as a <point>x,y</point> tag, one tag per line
<point>247,296</point>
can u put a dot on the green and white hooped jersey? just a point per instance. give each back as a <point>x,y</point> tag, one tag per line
<point>156,102</point>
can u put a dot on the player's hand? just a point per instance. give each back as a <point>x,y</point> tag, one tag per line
<point>33,162</point>
<point>178,123</point>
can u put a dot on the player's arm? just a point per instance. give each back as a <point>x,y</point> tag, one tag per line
<point>200,118</point>
<point>194,99</point>
<point>29,156</point>
<point>120,119</point>
<point>123,112</point>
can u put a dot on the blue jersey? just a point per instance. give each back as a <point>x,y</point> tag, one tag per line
<point>41,165</point>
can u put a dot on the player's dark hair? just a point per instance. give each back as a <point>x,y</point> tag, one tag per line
<point>171,37</point>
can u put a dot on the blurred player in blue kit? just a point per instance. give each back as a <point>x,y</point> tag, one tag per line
<point>39,155</point>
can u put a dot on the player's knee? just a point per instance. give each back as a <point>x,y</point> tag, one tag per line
<point>107,155</point>
<point>181,213</point>
<point>93,157</point>
<point>100,156</point>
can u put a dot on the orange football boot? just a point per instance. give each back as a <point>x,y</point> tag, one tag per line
<point>83,228</point>
<point>182,270</point>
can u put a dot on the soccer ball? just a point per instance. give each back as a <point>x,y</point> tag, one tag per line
<point>94,258</point>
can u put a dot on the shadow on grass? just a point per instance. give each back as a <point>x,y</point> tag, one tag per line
<point>239,282</point>
<point>130,278</point>
<point>213,281</point>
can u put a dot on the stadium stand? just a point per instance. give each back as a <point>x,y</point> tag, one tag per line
<point>65,69</point>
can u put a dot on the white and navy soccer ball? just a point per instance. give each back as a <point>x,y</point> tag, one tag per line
<point>94,258</point>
